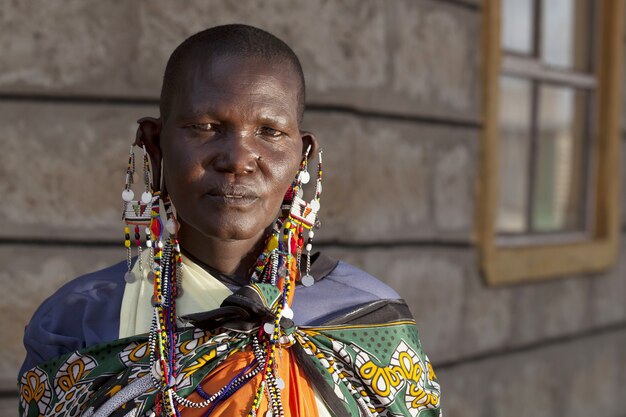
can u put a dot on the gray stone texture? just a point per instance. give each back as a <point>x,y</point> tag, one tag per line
<point>379,180</point>
<point>63,169</point>
<point>584,377</point>
<point>29,275</point>
<point>364,54</point>
<point>8,406</point>
<point>459,317</point>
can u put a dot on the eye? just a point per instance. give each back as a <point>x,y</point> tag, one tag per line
<point>269,132</point>
<point>204,127</point>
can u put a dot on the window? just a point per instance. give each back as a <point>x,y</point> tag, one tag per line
<point>549,180</point>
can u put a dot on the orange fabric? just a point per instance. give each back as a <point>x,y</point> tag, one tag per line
<point>298,397</point>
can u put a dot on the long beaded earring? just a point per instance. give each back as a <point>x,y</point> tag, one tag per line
<point>136,213</point>
<point>305,214</point>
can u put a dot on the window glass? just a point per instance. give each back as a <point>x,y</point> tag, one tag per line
<point>514,153</point>
<point>517,25</point>
<point>565,32</point>
<point>558,200</point>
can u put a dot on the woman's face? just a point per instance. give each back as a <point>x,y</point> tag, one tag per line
<point>231,145</point>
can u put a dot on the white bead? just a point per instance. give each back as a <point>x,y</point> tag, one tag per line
<point>170,226</point>
<point>268,328</point>
<point>156,370</point>
<point>160,244</point>
<point>300,193</point>
<point>147,230</point>
<point>315,205</point>
<point>288,312</point>
<point>129,277</point>
<point>146,197</point>
<point>308,280</point>
<point>305,177</point>
<point>311,234</point>
<point>148,243</point>
<point>319,187</point>
<point>308,247</point>
<point>280,384</point>
<point>128,195</point>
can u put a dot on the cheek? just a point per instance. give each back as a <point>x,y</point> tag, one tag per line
<point>284,177</point>
<point>180,172</point>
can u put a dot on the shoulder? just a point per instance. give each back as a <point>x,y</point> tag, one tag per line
<point>83,312</point>
<point>95,287</point>
<point>338,291</point>
<point>356,280</point>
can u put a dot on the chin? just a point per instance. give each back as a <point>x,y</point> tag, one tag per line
<point>233,229</point>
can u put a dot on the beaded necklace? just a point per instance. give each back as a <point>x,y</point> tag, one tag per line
<point>279,265</point>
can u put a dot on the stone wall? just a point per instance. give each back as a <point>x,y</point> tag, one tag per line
<point>394,97</point>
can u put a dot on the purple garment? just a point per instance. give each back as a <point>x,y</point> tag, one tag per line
<point>86,311</point>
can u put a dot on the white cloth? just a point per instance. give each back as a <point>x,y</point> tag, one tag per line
<point>201,292</point>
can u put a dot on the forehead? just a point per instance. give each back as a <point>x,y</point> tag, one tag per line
<point>236,83</point>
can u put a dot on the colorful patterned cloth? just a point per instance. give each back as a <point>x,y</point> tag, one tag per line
<point>368,362</point>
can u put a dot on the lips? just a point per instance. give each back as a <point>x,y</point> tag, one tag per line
<point>233,195</point>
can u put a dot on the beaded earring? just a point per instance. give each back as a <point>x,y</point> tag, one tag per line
<point>136,213</point>
<point>304,213</point>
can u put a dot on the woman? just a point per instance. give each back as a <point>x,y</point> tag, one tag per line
<point>226,311</point>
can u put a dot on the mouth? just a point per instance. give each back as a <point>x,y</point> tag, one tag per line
<point>233,195</point>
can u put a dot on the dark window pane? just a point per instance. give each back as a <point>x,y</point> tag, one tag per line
<point>559,183</point>
<point>514,148</point>
<point>565,39</point>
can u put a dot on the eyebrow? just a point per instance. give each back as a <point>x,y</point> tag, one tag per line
<point>279,118</point>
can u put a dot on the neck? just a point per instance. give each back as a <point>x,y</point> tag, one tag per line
<point>231,257</point>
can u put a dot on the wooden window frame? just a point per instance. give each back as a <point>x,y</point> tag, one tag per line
<point>502,264</point>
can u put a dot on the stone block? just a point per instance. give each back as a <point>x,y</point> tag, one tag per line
<point>436,55</point>
<point>352,34</point>
<point>582,377</point>
<point>549,309</point>
<point>607,293</point>
<point>366,54</point>
<point>44,53</point>
<point>460,317</point>
<point>381,177</point>
<point>30,275</point>
<point>9,405</point>
<point>454,175</point>
<point>63,169</point>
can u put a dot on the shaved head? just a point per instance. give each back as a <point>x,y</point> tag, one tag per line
<point>229,41</point>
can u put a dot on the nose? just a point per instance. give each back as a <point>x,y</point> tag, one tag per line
<point>236,154</point>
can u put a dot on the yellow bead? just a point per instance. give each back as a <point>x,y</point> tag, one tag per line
<point>273,243</point>
<point>127,243</point>
<point>126,230</point>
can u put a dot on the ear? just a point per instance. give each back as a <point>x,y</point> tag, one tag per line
<point>149,135</point>
<point>308,139</point>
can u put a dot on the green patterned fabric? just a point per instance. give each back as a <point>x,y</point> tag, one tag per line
<point>371,364</point>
